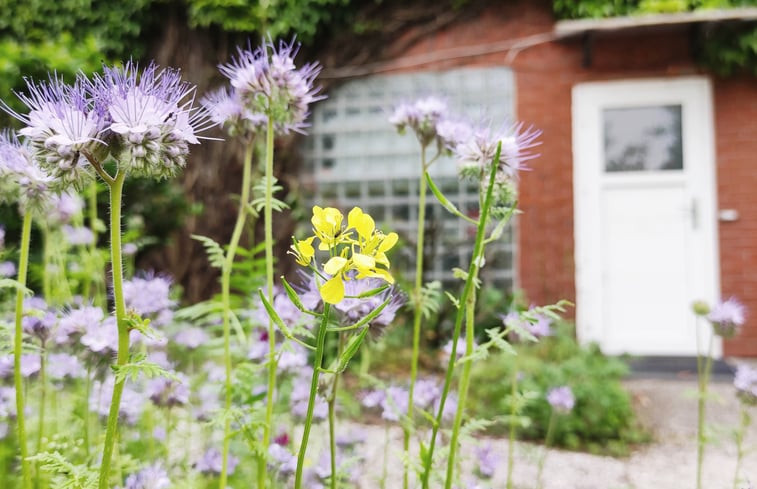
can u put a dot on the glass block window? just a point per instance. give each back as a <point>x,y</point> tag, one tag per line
<point>354,156</point>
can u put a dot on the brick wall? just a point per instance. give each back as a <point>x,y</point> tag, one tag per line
<point>545,75</point>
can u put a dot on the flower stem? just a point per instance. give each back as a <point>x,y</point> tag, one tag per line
<point>42,399</point>
<point>470,306</point>
<point>478,249</point>
<point>116,192</point>
<point>268,236</point>
<point>332,415</point>
<point>746,420</point>
<point>511,426</point>
<point>226,302</point>
<point>704,380</point>
<point>417,308</point>
<point>317,361</point>
<point>23,265</point>
<point>547,444</point>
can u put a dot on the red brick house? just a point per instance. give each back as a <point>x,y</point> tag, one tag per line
<point>644,197</point>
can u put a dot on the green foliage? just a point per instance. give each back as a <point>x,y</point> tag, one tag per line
<point>724,49</point>
<point>66,475</point>
<point>276,18</point>
<point>603,419</point>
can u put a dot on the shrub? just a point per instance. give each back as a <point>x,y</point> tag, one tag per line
<point>603,419</point>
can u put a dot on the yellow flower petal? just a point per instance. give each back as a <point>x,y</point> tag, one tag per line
<point>363,261</point>
<point>333,290</point>
<point>304,251</point>
<point>388,242</point>
<point>334,265</point>
<point>362,222</point>
<point>381,273</point>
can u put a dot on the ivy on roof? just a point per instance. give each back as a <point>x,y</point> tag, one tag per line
<point>725,49</point>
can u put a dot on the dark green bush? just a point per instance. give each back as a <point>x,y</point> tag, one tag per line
<point>603,419</point>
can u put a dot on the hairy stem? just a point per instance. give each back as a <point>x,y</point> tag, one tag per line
<point>116,192</point>
<point>511,426</point>
<point>478,249</point>
<point>417,308</point>
<point>547,444</point>
<point>226,303</point>
<point>704,380</point>
<point>23,265</point>
<point>268,236</point>
<point>317,361</point>
<point>470,306</point>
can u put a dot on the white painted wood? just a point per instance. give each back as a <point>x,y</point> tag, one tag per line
<point>645,241</point>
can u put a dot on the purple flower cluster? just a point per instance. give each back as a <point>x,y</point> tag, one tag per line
<point>428,118</point>
<point>486,460</point>
<point>298,399</point>
<point>145,120</point>
<point>21,178</point>
<point>150,297</point>
<point>353,309</point>
<point>211,462</point>
<point>727,317</point>
<point>151,477</point>
<point>169,392</point>
<point>393,400</point>
<point>745,382</point>
<point>561,399</point>
<point>530,322</point>
<point>265,84</point>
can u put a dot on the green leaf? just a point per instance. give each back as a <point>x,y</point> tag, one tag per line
<point>445,202</point>
<point>139,365</point>
<point>353,345</point>
<point>9,283</point>
<point>454,300</point>
<point>216,255</point>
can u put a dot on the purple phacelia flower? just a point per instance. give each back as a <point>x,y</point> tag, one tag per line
<point>6,366</point>
<point>129,249</point>
<point>395,403</point>
<point>426,392</point>
<point>151,477</point>
<point>292,358</point>
<point>77,322</point>
<point>150,296</point>
<point>353,309</point>
<point>101,338</point>
<point>65,206</point>
<point>423,117</point>
<point>7,269</point>
<point>30,364</point>
<point>745,382</point>
<point>281,460</point>
<point>65,366</point>
<point>561,399</point>
<point>78,236</point>
<point>211,463</point>
<point>169,392</point>
<point>21,178</point>
<point>191,337</point>
<point>267,81</point>
<point>151,117</point>
<point>727,317</point>
<point>373,398</point>
<point>486,460</point>
<point>476,153</point>
<point>226,109</point>
<point>62,125</point>
<point>298,399</point>
<point>132,401</point>
<point>39,326</point>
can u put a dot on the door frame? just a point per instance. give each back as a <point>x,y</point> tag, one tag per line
<point>694,94</point>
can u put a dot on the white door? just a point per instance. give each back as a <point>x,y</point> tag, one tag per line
<point>645,225</point>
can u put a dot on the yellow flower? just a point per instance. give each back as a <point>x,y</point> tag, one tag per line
<point>327,225</point>
<point>366,255</point>
<point>303,251</point>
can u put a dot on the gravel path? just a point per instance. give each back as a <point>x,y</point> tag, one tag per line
<point>666,407</point>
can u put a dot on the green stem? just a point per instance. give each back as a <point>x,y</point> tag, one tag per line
<point>268,236</point>
<point>317,361</point>
<point>745,422</point>
<point>478,249</point>
<point>85,414</point>
<point>511,426</point>
<point>42,400</point>
<point>228,264</point>
<point>470,306</point>
<point>547,444</point>
<point>332,415</point>
<point>417,308</point>
<point>704,380</point>
<point>46,265</point>
<point>23,264</point>
<point>116,193</point>
<point>382,483</point>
